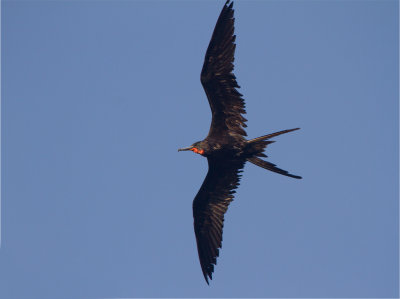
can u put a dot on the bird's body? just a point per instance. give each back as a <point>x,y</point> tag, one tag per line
<point>225,147</point>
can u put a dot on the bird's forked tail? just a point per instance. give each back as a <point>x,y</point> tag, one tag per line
<point>256,147</point>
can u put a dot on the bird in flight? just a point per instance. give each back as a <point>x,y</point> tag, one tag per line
<point>225,147</point>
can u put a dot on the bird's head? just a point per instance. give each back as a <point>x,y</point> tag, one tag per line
<point>196,147</point>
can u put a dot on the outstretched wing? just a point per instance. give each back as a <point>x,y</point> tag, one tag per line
<point>219,82</point>
<point>209,207</point>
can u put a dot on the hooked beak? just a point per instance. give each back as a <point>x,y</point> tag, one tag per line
<point>185,149</point>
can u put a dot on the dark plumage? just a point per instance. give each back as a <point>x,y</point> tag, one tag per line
<point>225,147</point>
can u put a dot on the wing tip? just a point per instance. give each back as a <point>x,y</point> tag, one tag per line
<point>206,277</point>
<point>229,3</point>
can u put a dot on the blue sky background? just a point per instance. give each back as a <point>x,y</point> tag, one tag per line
<point>98,95</point>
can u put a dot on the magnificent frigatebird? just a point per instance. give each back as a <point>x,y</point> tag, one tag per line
<point>225,147</point>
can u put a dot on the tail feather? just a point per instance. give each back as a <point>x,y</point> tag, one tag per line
<point>255,148</point>
<point>270,166</point>
<point>265,137</point>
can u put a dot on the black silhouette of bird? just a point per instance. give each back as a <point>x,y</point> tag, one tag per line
<point>225,147</point>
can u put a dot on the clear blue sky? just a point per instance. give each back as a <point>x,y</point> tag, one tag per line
<point>98,95</point>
